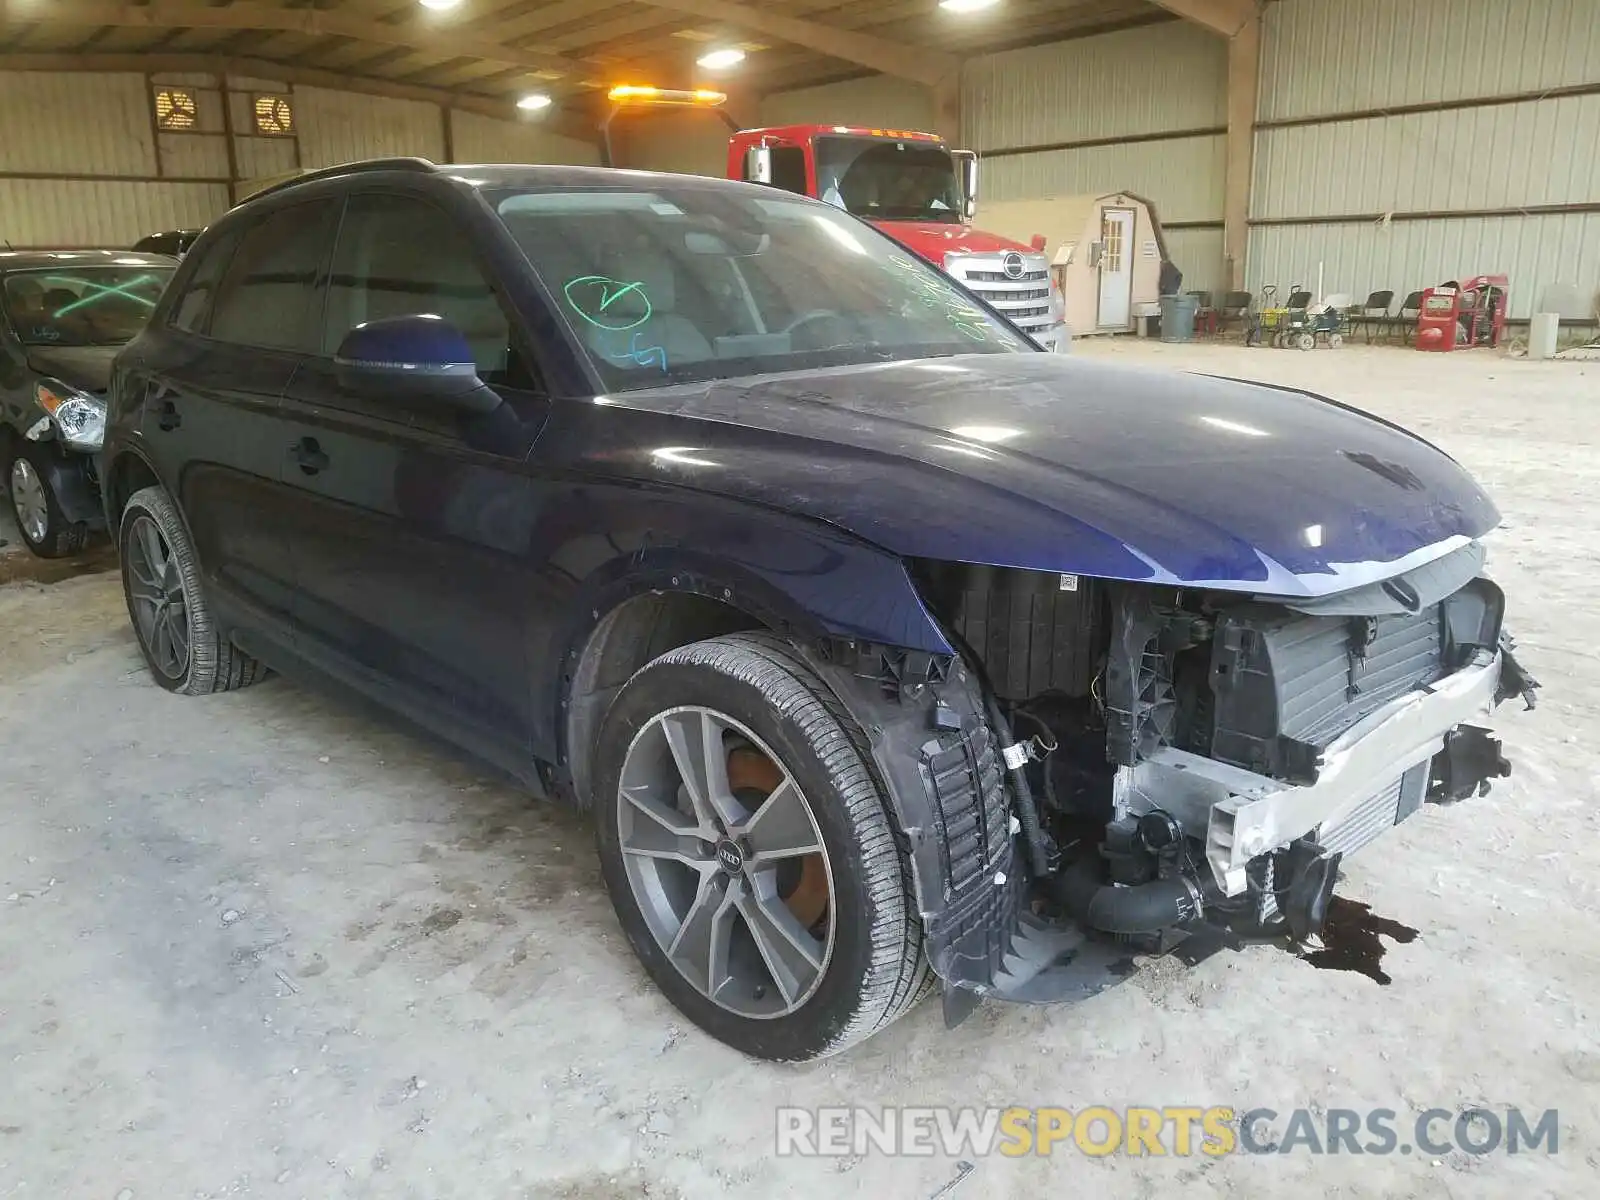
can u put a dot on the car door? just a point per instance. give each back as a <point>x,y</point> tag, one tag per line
<point>213,382</point>
<point>409,528</point>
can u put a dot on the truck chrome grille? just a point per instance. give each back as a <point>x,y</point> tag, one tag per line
<point>1024,300</point>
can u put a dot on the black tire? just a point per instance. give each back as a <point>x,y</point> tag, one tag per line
<point>878,969</point>
<point>60,537</point>
<point>212,663</point>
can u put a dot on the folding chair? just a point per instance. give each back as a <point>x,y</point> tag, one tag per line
<point>1374,314</point>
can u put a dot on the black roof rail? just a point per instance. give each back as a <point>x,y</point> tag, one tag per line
<point>359,166</point>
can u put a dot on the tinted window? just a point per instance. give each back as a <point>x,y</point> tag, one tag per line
<point>400,257</point>
<point>265,297</point>
<point>192,312</point>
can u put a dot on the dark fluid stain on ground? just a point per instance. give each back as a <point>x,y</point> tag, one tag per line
<point>24,567</point>
<point>1352,940</point>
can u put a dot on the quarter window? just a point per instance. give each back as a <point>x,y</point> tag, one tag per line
<point>192,313</point>
<point>267,294</point>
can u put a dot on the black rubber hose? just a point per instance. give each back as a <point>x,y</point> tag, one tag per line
<point>1027,808</point>
<point>1143,908</point>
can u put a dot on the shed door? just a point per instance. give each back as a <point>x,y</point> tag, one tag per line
<point>1116,268</point>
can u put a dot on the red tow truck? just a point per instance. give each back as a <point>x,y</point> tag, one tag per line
<point>909,184</point>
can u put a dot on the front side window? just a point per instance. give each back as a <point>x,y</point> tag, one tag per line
<point>886,180</point>
<point>400,257</point>
<point>267,293</point>
<point>689,282</point>
<point>82,306</point>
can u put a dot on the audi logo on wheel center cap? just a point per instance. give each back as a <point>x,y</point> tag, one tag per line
<point>730,857</point>
<point>1012,265</point>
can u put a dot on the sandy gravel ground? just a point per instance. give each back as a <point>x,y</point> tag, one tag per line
<point>267,944</point>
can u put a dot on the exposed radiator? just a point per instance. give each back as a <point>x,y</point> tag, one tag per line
<point>1286,684</point>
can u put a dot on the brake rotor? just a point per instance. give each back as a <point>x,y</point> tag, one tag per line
<point>802,882</point>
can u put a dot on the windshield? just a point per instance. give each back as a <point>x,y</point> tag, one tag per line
<point>82,306</point>
<point>690,283</point>
<point>888,181</point>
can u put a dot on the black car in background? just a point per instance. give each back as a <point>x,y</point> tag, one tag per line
<point>175,242</point>
<point>66,313</point>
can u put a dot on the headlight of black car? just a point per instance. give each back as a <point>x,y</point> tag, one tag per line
<point>79,419</point>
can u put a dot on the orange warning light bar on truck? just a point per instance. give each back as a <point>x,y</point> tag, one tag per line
<point>645,94</point>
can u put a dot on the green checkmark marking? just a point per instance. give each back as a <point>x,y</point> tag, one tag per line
<point>582,290</point>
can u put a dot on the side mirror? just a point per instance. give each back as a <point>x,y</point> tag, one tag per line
<point>758,164</point>
<point>967,169</point>
<point>415,359</point>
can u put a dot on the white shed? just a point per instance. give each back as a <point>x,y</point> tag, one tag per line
<point>1106,250</point>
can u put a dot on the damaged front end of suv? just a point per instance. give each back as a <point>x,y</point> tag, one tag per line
<point>1113,767</point>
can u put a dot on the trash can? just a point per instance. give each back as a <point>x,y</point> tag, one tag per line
<point>1177,318</point>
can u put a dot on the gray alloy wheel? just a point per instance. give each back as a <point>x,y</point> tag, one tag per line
<point>28,501</point>
<point>726,862</point>
<point>750,851</point>
<point>155,596</point>
<point>162,583</point>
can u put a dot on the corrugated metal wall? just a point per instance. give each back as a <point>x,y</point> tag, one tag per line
<point>79,165</point>
<point>1118,90</point>
<point>480,139</point>
<point>82,165</point>
<point>1320,58</point>
<point>877,100</point>
<point>1526,149</point>
<point>337,127</point>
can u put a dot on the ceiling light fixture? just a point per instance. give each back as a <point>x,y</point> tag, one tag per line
<point>721,60</point>
<point>961,6</point>
<point>439,5</point>
<point>533,102</point>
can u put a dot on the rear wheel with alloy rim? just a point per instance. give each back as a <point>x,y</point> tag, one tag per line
<point>750,854</point>
<point>167,603</point>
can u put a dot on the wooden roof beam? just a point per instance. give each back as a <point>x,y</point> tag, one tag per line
<point>1226,17</point>
<point>414,34</point>
<point>918,63</point>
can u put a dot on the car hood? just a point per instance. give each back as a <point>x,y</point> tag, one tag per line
<point>86,367</point>
<point>1062,464</point>
<point>934,239</point>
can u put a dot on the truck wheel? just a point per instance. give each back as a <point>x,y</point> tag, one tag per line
<point>167,603</point>
<point>44,527</point>
<point>749,853</point>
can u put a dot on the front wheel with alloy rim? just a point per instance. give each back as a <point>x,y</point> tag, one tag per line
<point>44,527</point>
<point>167,603</point>
<point>750,853</point>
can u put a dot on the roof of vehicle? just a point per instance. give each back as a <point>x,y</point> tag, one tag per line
<point>28,260</point>
<point>531,175</point>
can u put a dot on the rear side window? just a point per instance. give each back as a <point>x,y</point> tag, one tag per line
<point>266,295</point>
<point>192,312</point>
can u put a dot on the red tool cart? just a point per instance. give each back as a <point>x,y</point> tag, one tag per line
<point>1459,315</point>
